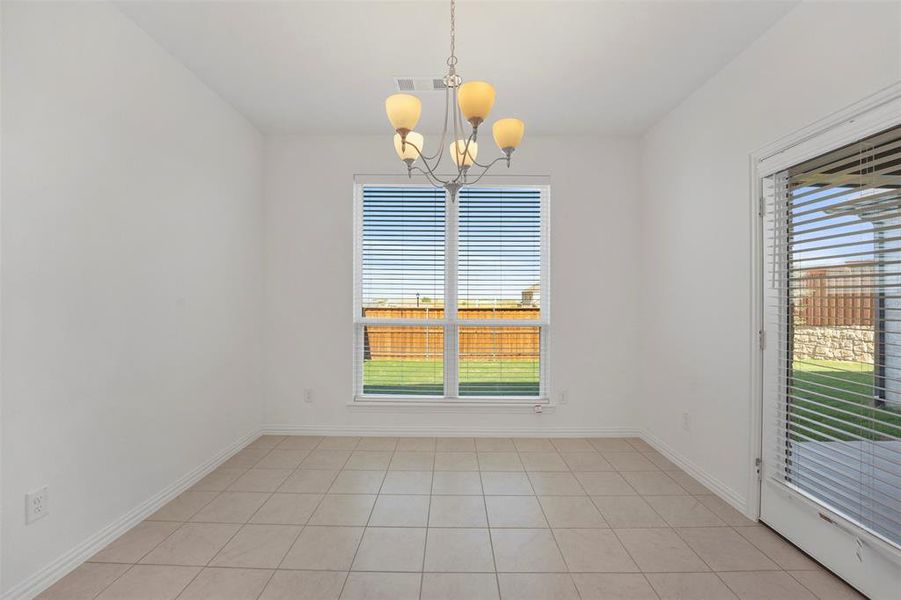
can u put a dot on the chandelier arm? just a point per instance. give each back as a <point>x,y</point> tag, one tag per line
<point>469,140</point>
<point>429,177</point>
<point>440,151</point>
<point>426,163</point>
<point>461,170</point>
<point>458,124</point>
<point>454,129</point>
<point>441,145</point>
<point>486,167</point>
<point>478,164</point>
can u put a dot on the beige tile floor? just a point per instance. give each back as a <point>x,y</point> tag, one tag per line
<point>448,519</point>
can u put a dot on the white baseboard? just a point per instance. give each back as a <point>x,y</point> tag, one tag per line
<point>452,431</point>
<point>738,501</point>
<point>53,572</point>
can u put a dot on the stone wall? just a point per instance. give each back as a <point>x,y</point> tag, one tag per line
<point>834,343</point>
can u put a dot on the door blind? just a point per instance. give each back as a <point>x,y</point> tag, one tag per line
<point>836,291</point>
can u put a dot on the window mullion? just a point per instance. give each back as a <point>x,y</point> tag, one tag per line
<point>451,337</point>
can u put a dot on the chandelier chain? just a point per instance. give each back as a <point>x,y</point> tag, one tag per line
<point>452,59</point>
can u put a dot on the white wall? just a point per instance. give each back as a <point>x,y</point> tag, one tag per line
<point>695,218</point>
<point>309,248</point>
<point>135,245</point>
<point>131,274</point>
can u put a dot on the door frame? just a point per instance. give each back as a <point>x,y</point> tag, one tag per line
<point>865,117</point>
<point>870,115</point>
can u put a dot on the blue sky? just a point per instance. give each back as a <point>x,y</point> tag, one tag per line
<point>811,205</point>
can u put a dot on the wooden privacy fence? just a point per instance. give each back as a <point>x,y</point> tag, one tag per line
<point>395,342</point>
<point>840,296</point>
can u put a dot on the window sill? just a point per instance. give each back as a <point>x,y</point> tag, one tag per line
<point>417,405</point>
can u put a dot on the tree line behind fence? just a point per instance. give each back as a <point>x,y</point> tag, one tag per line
<point>477,343</point>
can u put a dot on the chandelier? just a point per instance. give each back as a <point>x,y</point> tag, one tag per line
<point>470,102</point>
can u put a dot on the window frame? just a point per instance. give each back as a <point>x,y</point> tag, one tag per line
<point>451,323</point>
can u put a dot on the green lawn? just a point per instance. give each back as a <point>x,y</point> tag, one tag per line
<point>850,414</point>
<point>477,378</point>
<point>846,415</point>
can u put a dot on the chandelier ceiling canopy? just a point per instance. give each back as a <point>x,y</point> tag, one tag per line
<point>469,101</point>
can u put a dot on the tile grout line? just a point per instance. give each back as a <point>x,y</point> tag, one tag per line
<point>718,573</point>
<point>188,520</point>
<point>497,580</point>
<point>275,570</point>
<point>701,558</point>
<point>302,527</point>
<point>391,571</point>
<point>200,570</point>
<point>180,525</point>
<point>801,583</point>
<point>237,531</point>
<point>551,529</point>
<point>347,574</point>
<point>637,566</point>
<point>626,550</point>
<point>368,518</point>
<point>106,587</point>
<point>428,518</point>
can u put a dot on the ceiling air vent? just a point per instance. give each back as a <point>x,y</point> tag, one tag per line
<point>419,84</point>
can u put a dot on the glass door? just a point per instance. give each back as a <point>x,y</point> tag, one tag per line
<point>831,479</point>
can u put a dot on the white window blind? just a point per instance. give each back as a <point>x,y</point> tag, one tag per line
<point>500,251</point>
<point>403,249</point>
<point>451,294</point>
<point>836,294</point>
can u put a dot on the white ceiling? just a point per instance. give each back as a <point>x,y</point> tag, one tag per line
<point>563,67</point>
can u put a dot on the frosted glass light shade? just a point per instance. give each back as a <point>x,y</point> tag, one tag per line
<point>475,99</point>
<point>403,111</point>
<point>508,133</point>
<point>407,151</point>
<point>458,149</point>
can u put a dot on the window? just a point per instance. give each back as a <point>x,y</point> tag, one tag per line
<point>451,293</point>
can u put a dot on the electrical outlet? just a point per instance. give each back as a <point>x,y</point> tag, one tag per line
<point>308,395</point>
<point>686,423</point>
<point>564,397</point>
<point>36,506</point>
